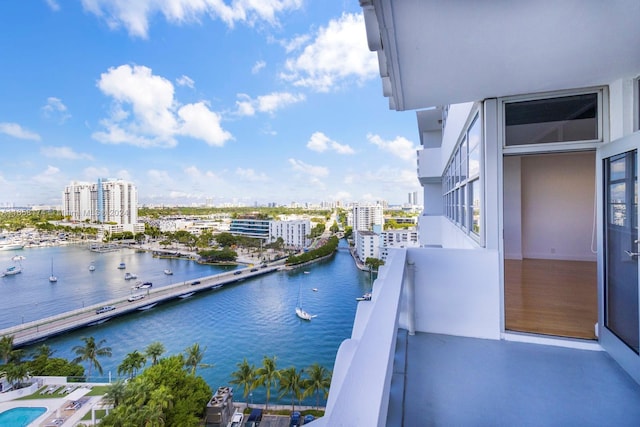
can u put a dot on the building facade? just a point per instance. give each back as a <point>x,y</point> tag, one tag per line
<point>397,239</point>
<point>294,233</point>
<point>365,217</point>
<point>250,227</point>
<point>367,245</point>
<point>113,201</point>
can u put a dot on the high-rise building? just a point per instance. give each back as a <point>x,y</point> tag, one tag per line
<point>365,217</point>
<point>114,201</point>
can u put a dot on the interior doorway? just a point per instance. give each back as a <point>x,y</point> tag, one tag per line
<point>550,269</point>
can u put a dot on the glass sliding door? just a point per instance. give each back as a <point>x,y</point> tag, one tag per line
<point>619,317</point>
<point>621,237</point>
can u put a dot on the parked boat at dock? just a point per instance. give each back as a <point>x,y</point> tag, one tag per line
<point>130,276</point>
<point>11,246</point>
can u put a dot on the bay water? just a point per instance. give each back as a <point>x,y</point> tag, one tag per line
<point>251,319</point>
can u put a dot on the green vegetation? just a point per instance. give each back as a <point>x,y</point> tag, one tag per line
<point>317,231</point>
<point>261,212</point>
<point>222,255</point>
<point>90,353</point>
<point>164,394</point>
<point>327,249</point>
<point>296,384</point>
<point>373,263</point>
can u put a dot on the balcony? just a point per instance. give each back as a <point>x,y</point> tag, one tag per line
<point>427,350</point>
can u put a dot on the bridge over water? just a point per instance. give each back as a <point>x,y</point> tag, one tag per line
<point>31,332</point>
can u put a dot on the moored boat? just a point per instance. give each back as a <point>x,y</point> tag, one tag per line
<point>303,314</point>
<point>365,297</point>
<point>11,246</point>
<point>130,276</point>
<point>10,271</point>
<point>168,272</point>
<point>122,266</point>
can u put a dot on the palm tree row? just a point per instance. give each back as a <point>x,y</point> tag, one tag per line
<point>292,382</point>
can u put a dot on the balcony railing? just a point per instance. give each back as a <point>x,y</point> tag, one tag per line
<point>361,382</point>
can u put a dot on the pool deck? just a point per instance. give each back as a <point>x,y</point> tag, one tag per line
<point>57,408</point>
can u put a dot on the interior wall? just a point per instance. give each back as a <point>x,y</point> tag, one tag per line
<point>557,197</point>
<point>512,205</point>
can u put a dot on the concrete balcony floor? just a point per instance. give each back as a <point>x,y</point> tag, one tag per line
<point>442,380</point>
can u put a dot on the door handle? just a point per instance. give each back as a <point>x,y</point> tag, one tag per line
<point>632,254</point>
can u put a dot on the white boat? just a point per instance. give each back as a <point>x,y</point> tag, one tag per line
<point>365,297</point>
<point>168,272</point>
<point>122,266</point>
<point>18,258</point>
<point>303,314</point>
<point>11,246</point>
<point>314,289</point>
<point>300,311</point>
<point>52,278</point>
<point>92,267</point>
<point>130,276</point>
<point>145,285</point>
<point>10,271</point>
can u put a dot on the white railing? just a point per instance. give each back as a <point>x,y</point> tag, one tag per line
<point>361,382</point>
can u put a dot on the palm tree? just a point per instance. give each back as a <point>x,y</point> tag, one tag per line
<point>194,357</point>
<point>15,372</point>
<point>6,347</point>
<point>131,363</point>
<point>90,353</point>
<point>43,351</point>
<point>245,376</point>
<point>115,393</point>
<point>154,351</point>
<point>291,383</point>
<point>267,376</point>
<point>319,381</point>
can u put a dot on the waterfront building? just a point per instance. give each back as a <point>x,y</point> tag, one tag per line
<point>294,233</point>
<point>365,216</point>
<point>367,245</point>
<point>107,200</point>
<point>250,227</point>
<point>397,239</point>
<point>528,121</point>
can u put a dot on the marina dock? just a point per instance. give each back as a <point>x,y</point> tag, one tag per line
<point>37,330</point>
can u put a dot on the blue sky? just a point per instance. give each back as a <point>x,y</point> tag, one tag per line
<point>238,101</point>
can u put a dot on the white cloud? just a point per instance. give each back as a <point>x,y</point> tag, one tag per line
<point>266,103</point>
<point>146,114</point>
<point>135,15</point>
<point>196,174</point>
<point>251,175</point>
<point>399,147</point>
<point>338,55</point>
<point>54,109</point>
<point>314,171</point>
<point>185,81</point>
<point>320,142</point>
<point>258,66</point>
<point>295,43</point>
<point>53,4</point>
<point>342,195</point>
<point>159,177</point>
<point>201,123</point>
<point>64,153</point>
<point>48,176</point>
<point>17,131</point>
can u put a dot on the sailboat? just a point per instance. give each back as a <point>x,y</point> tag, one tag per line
<point>52,278</point>
<point>300,311</point>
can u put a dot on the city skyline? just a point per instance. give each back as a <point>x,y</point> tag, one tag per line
<point>198,103</point>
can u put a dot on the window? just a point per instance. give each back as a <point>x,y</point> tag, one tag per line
<point>461,181</point>
<point>573,118</point>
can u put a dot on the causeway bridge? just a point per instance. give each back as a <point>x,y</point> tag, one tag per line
<point>37,330</point>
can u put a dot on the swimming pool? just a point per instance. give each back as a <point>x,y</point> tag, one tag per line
<point>20,417</point>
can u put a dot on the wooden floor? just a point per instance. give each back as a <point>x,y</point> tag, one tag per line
<point>551,297</point>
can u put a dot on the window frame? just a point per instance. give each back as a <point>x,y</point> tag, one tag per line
<point>457,183</point>
<point>601,113</point>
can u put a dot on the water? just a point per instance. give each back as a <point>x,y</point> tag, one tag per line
<point>252,319</point>
<point>20,417</point>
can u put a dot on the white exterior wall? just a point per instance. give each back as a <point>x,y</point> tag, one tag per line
<point>397,239</point>
<point>294,233</point>
<point>120,201</point>
<point>367,245</point>
<point>364,216</point>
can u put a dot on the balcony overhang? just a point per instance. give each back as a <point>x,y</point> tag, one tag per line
<point>443,52</point>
